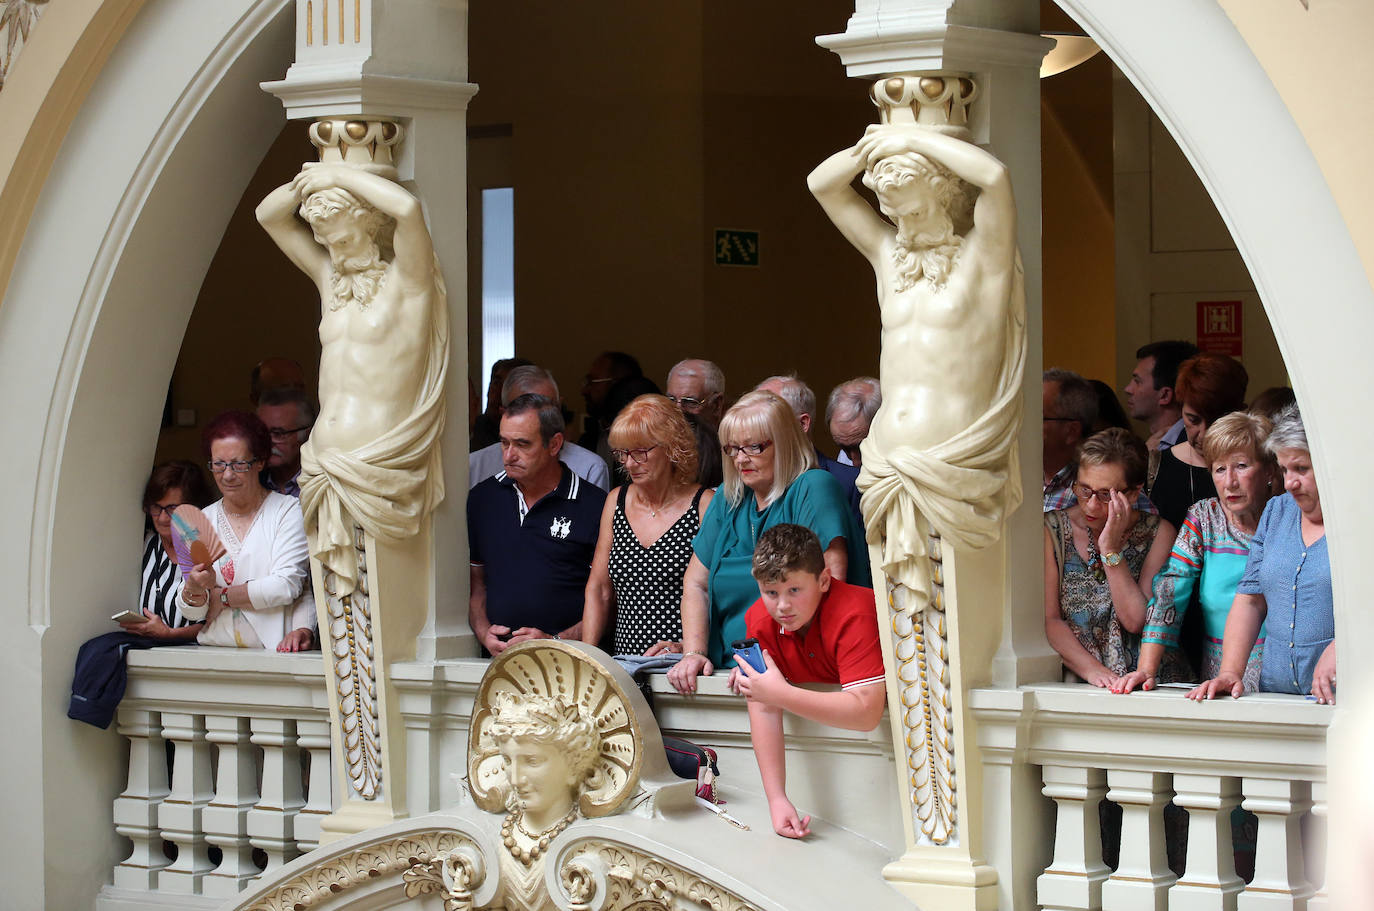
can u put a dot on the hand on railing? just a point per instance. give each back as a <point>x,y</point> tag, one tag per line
<point>1145,680</point>
<point>1225,683</point>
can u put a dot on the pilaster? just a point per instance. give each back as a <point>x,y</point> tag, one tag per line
<point>384,82</point>
<point>985,57</point>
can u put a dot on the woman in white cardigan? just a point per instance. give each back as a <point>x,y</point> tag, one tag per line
<point>258,594</point>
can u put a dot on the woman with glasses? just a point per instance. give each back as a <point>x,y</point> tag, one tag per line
<point>1209,554</point>
<point>646,531</point>
<point>258,595</point>
<point>770,479</point>
<point>170,485</point>
<point>1100,558</point>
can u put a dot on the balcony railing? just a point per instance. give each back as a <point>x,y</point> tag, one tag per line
<point>1265,753</point>
<point>229,776</point>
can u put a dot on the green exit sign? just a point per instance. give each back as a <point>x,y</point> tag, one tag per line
<point>737,248</point>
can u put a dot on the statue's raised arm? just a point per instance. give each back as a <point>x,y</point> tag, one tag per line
<point>373,458</point>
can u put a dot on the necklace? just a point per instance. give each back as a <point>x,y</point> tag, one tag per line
<point>527,856</point>
<point>245,515</point>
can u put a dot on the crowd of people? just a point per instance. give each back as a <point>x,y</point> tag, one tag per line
<point>1174,560</point>
<point>682,524</point>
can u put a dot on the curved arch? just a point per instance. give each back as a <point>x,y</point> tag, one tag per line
<point>117,246</point>
<point>1202,80</point>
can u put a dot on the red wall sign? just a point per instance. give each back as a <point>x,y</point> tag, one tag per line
<point>1219,327</point>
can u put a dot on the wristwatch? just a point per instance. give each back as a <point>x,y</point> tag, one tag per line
<point>1112,558</point>
<point>224,592</point>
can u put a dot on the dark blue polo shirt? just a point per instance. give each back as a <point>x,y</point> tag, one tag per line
<point>536,571</point>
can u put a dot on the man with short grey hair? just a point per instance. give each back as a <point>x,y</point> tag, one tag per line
<point>849,414</point>
<point>1069,405</point>
<point>792,390</point>
<point>698,387</point>
<point>533,380</point>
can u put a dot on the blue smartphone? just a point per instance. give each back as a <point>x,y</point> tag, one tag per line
<point>749,650</point>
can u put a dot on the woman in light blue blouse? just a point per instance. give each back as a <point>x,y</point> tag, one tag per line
<point>1286,586</point>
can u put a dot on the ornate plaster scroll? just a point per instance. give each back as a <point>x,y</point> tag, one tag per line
<point>399,856</point>
<point>17,18</point>
<point>939,465</point>
<point>602,876</point>
<point>350,643</point>
<point>373,460</point>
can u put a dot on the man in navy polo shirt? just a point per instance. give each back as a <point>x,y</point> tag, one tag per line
<point>532,531</point>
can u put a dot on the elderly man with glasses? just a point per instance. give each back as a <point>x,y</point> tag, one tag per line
<point>288,416</point>
<point>698,388</point>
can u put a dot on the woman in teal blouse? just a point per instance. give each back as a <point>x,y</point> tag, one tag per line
<point>1210,553</point>
<point>770,479</point>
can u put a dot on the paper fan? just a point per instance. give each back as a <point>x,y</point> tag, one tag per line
<point>194,539</point>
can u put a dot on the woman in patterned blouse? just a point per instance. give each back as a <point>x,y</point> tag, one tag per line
<point>1210,553</point>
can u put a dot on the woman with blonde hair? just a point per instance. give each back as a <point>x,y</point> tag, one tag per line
<point>646,531</point>
<point>1210,552</point>
<point>770,479</point>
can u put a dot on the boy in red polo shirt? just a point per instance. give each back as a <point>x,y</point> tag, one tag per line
<point>812,629</point>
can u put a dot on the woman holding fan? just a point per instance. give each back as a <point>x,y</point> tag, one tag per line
<point>171,484</point>
<point>257,595</point>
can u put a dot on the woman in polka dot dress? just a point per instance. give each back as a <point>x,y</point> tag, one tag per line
<point>647,529</point>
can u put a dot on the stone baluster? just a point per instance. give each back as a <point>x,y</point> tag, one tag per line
<point>1279,880</point>
<point>136,810</point>
<point>1318,854</point>
<point>1142,878</point>
<point>1073,881</point>
<point>179,816</point>
<point>1209,882</point>
<point>225,820</point>
<point>271,823</point>
<point>313,738</point>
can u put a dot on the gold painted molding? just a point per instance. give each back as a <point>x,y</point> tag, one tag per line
<point>61,61</point>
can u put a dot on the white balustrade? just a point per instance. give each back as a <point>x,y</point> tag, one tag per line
<point>238,723</point>
<point>1266,753</point>
<point>136,810</point>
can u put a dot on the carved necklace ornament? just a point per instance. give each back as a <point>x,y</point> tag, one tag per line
<point>540,839</point>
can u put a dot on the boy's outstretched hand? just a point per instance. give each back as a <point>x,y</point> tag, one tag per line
<point>786,822</point>
<point>765,686</point>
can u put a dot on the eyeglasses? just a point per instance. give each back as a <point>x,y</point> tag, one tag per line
<point>752,449</point>
<point>157,511</point>
<point>1084,492</point>
<point>281,433</point>
<point>688,402</point>
<point>638,455</point>
<point>240,466</point>
<point>590,380</point>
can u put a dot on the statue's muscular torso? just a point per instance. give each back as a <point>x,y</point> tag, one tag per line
<point>372,363</point>
<point>942,349</point>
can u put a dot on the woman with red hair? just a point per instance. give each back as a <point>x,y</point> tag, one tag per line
<point>258,595</point>
<point>1208,386</point>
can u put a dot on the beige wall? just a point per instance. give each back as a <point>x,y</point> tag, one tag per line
<point>1173,250</point>
<point>1077,222</point>
<point>1317,56</point>
<point>253,305</point>
<point>626,161</point>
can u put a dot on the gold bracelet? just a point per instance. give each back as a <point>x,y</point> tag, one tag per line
<point>695,651</point>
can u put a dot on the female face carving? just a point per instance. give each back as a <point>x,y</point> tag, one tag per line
<point>543,780</point>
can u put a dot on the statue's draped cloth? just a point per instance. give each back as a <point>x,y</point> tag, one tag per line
<point>961,489</point>
<point>388,486</point>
